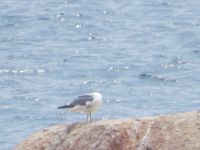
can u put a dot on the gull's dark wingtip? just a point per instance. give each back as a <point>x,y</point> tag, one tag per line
<point>65,106</point>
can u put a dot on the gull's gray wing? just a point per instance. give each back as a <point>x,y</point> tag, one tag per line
<point>81,100</point>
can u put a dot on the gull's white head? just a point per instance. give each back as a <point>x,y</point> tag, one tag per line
<point>97,96</point>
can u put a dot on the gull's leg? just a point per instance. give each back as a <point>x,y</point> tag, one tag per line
<point>87,116</point>
<point>90,117</point>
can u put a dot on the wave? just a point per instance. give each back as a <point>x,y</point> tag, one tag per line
<point>22,71</point>
<point>157,78</point>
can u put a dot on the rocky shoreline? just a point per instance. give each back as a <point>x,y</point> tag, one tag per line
<point>180,131</point>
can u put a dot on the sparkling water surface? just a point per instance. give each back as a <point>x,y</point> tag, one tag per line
<point>143,56</point>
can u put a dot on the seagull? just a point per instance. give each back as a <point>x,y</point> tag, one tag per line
<point>87,103</point>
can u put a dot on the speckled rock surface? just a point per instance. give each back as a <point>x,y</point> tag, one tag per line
<point>179,131</point>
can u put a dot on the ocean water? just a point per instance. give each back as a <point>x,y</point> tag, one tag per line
<point>143,56</point>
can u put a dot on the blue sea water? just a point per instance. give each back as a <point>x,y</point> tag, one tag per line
<point>143,56</point>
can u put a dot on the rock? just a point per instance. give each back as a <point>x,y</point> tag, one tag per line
<point>179,131</point>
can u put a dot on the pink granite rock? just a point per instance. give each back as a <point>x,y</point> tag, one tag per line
<point>179,131</point>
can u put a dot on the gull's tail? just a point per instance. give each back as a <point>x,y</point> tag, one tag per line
<point>65,106</point>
